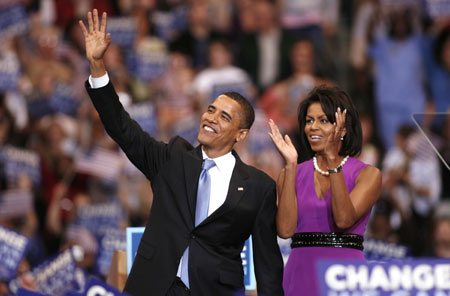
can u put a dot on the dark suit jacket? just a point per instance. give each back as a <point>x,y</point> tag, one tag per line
<point>215,266</point>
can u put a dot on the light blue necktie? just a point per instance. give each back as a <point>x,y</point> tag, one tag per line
<point>201,210</point>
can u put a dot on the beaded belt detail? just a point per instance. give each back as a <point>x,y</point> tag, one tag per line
<point>327,239</point>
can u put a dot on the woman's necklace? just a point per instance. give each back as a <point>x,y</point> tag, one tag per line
<point>316,166</point>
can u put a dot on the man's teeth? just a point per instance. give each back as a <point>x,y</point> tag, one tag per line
<point>207,128</point>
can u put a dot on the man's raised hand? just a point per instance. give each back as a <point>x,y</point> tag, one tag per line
<point>97,42</point>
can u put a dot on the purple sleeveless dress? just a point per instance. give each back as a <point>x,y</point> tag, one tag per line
<point>315,215</point>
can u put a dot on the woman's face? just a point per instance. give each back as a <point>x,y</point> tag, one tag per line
<point>317,127</point>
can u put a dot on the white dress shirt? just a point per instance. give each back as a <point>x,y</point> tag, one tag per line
<point>220,181</point>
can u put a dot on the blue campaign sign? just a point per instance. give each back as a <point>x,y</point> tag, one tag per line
<point>123,30</point>
<point>145,115</point>
<point>13,247</point>
<point>98,218</point>
<point>13,20</point>
<point>112,239</point>
<point>247,264</point>
<point>96,287</point>
<point>55,276</point>
<point>17,162</point>
<point>25,292</point>
<point>149,60</point>
<point>134,235</point>
<point>418,277</point>
<point>381,250</point>
<point>9,71</point>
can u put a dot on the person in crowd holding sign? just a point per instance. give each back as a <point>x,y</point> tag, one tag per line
<point>323,203</point>
<point>206,200</point>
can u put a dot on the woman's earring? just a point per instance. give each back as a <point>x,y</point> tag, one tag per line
<point>342,138</point>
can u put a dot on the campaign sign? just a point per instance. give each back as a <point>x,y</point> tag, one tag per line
<point>55,276</point>
<point>378,249</point>
<point>123,30</point>
<point>247,264</point>
<point>148,60</point>
<point>438,8</point>
<point>112,239</point>
<point>63,100</point>
<point>98,218</point>
<point>25,292</point>
<point>18,162</point>
<point>96,287</point>
<point>9,71</point>
<point>13,21</point>
<point>397,278</point>
<point>145,115</point>
<point>134,235</point>
<point>12,250</point>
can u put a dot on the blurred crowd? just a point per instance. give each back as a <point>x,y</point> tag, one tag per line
<point>170,58</point>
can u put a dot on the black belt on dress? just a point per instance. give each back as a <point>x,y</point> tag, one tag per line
<point>327,239</point>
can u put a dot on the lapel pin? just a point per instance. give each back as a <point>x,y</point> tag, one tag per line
<point>240,188</point>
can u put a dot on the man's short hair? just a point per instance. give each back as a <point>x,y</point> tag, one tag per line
<point>247,109</point>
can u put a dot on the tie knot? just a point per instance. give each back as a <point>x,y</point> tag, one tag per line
<point>207,164</point>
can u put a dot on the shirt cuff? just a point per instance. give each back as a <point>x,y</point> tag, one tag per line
<point>99,81</point>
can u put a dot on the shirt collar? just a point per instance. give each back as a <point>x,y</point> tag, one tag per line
<point>224,162</point>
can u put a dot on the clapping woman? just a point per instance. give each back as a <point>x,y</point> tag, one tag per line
<point>323,203</point>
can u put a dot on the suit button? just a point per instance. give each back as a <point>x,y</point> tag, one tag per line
<point>193,236</point>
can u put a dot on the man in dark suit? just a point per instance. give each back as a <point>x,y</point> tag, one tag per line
<point>179,255</point>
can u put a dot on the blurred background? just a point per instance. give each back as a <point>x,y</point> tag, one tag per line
<point>64,182</point>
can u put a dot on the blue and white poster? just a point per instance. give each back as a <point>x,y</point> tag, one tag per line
<point>96,287</point>
<point>437,8</point>
<point>13,247</point>
<point>148,60</point>
<point>382,250</point>
<point>13,21</point>
<point>406,278</point>
<point>112,239</point>
<point>98,218</point>
<point>145,115</point>
<point>9,71</point>
<point>62,100</point>
<point>18,162</point>
<point>123,30</point>
<point>55,276</point>
<point>25,292</point>
<point>134,235</point>
<point>247,264</point>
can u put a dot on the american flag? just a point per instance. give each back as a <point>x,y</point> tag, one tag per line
<point>101,163</point>
<point>15,203</point>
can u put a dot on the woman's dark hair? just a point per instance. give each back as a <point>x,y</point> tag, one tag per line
<point>330,98</point>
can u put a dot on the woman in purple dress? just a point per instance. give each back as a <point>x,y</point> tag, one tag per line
<point>323,203</point>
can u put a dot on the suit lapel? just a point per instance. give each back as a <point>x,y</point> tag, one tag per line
<point>236,189</point>
<point>192,164</point>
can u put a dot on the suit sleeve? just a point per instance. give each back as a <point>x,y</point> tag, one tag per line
<point>144,152</point>
<point>266,252</point>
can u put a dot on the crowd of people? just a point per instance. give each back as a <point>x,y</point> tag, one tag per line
<point>169,59</point>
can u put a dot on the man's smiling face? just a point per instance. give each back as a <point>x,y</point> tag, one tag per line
<point>220,126</point>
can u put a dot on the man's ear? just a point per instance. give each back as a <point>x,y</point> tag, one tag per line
<point>242,135</point>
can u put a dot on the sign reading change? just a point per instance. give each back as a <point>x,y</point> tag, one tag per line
<point>405,278</point>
